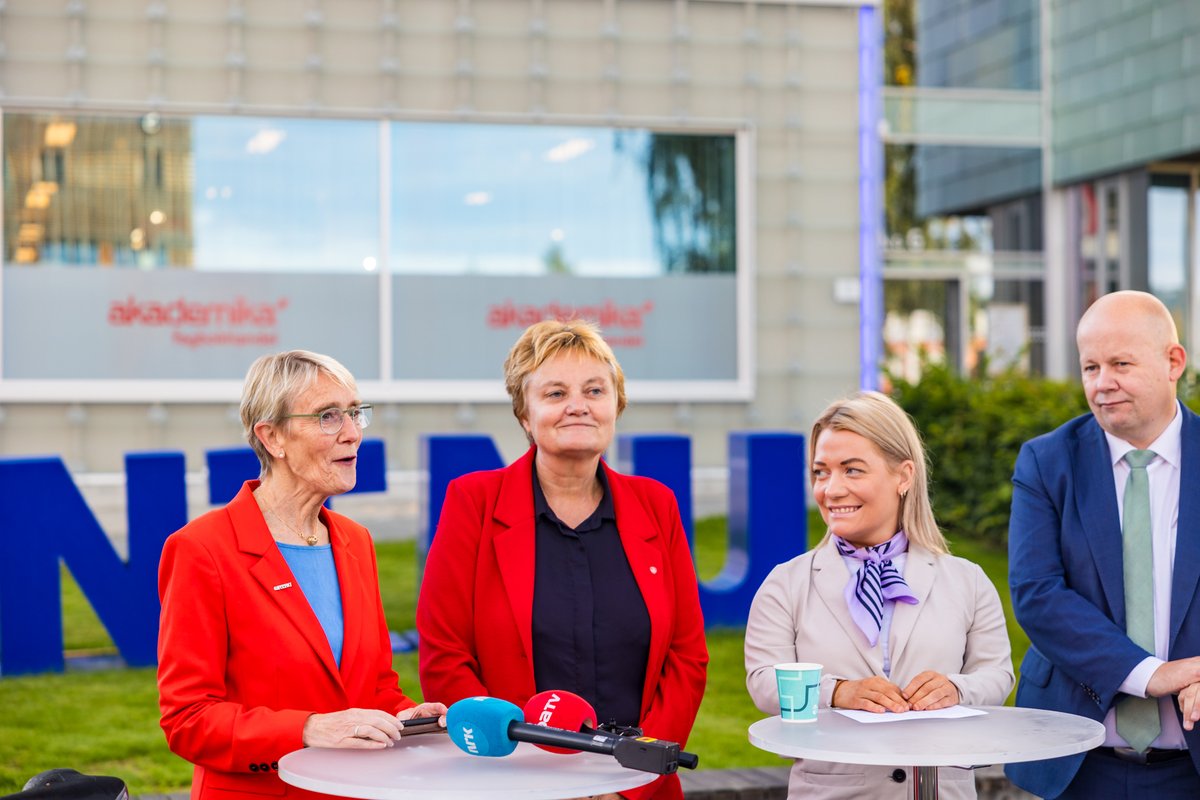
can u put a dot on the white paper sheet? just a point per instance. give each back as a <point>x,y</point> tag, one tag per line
<point>953,712</point>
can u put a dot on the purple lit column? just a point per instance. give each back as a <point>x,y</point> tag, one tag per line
<point>870,183</point>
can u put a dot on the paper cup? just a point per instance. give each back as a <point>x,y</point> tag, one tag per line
<point>799,691</point>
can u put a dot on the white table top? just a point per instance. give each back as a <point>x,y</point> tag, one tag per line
<point>430,766</point>
<point>1004,735</point>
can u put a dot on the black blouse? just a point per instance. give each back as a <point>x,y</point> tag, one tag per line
<point>591,630</point>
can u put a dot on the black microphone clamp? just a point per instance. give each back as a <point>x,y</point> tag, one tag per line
<point>647,754</point>
<point>643,753</point>
<point>655,752</point>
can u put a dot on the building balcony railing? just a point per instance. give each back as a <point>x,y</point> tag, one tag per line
<point>957,263</point>
<point>981,117</point>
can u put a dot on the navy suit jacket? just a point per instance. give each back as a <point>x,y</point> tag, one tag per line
<point>1065,571</point>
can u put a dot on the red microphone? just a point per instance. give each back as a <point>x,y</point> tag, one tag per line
<point>563,710</point>
<point>569,712</point>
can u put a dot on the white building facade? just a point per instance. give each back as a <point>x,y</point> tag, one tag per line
<point>405,185</point>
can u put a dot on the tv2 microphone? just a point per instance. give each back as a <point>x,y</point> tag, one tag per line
<point>565,710</point>
<point>487,726</point>
<point>569,711</point>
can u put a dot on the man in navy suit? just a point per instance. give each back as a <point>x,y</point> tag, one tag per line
<point>1067,564</point>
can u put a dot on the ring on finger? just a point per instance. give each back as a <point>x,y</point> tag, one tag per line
<point>355,734</point>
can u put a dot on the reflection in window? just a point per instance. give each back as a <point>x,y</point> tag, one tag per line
<point>229,193</point>
<point>919,326</point>
<point>273,194</point>
<point>103,191</point>
<point>689,180</point>
<point>286,194</point>
<point>1007,328</point>
<point>1167,214</point>
<point>917,216</point>
<point>535,200</point>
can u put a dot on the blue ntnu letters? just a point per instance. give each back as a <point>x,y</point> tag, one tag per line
<point>768,516</point>
<point>44,518</point>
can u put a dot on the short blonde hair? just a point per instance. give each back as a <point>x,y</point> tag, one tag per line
<point>273,382</point>
<point>878,419</point>
<point>544,340</point>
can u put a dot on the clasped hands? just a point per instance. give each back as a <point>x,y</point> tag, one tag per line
<point>364,728</point>
<point>928,691</point>
<point>1180,677</point>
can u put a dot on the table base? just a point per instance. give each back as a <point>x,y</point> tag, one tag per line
<point>925,783</point>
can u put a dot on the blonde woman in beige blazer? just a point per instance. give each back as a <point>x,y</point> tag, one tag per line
<point>939,641</point>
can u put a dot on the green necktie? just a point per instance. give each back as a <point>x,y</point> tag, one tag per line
<point>1137,717</point>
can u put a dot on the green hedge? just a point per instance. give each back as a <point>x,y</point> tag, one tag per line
<point>973,429</point>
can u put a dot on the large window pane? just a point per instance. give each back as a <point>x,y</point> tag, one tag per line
<point>537,200</point>
<point>210,241</point>
<point>286,194</point>
<point>920,326</point>
<point>632,229</point>
<point>1167,214</point>
<point>97,191</point>
<point>216,193</point>
<point>215,239</point>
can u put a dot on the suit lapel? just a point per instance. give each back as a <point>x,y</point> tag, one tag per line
<point>272,573</point>
<point>638,532</point>
<point>919,572</point>
<point>355,601</point>
<point>1187,537</point>
<point>515,544</point>
<point>829,578</point>
<point>1096,504</point>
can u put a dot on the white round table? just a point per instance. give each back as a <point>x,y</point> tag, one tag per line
<point>430,766</point>
<point>1003,735</point>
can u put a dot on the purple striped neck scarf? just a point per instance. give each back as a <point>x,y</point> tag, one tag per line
<point>876,582</point>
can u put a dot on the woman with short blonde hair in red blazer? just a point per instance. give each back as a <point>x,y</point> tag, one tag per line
<point>272,635</point>
<point>559,573</point>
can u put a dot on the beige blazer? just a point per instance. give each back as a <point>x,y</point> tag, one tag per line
<point>957,628</point>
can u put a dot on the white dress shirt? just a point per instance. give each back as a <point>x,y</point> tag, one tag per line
<point>1163,472</point>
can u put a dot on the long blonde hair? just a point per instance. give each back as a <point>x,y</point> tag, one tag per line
<point>878,419</point>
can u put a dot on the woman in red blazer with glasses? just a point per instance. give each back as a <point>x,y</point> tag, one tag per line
<point>272,635</point>
<point>559,573</point>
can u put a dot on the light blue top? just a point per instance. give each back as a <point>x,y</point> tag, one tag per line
<point>315,572</point>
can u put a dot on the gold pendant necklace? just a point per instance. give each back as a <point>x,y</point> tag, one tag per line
<point>311,540</point>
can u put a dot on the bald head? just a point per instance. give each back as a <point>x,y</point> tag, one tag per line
<point>1135,313</point>
<point>1130,359</point>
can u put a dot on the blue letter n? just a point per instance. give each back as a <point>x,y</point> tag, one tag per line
<point>43,518</point>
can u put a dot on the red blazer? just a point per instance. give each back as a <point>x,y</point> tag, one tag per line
<point>475,611</point>
<point>242,659</point>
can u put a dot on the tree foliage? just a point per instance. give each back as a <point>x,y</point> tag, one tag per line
<point>690,182</point>
<point>973,429</point>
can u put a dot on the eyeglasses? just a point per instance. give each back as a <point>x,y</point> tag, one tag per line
<point>332,419</point>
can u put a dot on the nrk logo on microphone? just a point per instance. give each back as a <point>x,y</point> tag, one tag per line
<point>479,725</point>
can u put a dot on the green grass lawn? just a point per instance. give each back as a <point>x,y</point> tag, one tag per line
<point>106,722</point>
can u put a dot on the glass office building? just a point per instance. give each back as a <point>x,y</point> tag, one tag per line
<point>1109,199</point>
